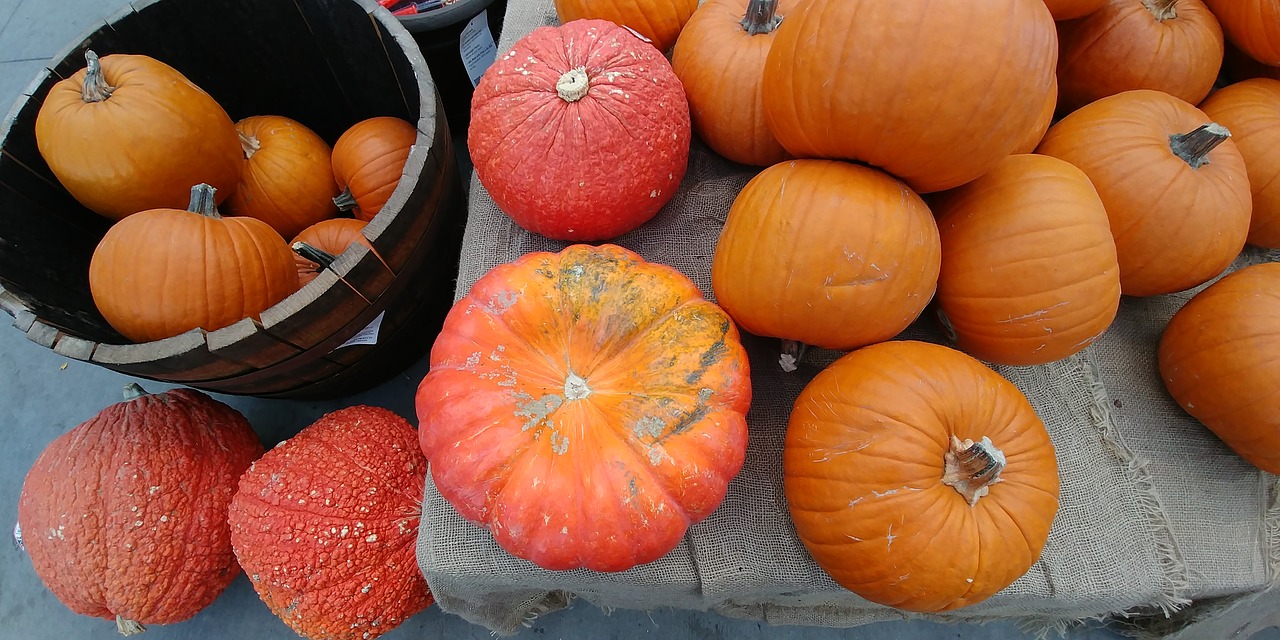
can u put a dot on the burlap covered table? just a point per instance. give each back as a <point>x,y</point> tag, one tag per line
<point>1157,516</point>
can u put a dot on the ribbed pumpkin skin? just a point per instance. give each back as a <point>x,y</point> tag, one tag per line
<point>1029,271</point>
<point>1072,9</point>
<point>658,20</point>
<point>326,525</point>
<point>1174,227</point>
<point>288,181</point>
<point>826,253</point>
<point>1253,25</point>
<point>934,93</point>
<point>125,515</point>
<point>143,147</point>
<point>862,469</point>
<point>586,407</point>
<point>1220,360</point>
<point>368,160</point>
<point>1126,46</point>
<point>1031,139</point>
<point>1251,110</point>
<point>584,170</point>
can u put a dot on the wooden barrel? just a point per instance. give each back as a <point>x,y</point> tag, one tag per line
<point>325,63</point>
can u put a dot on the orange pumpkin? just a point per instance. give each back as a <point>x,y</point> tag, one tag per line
<point>330,238</point>
<point>1029,272</point>
<point>586,407</point>
<point>1251,111</point>
<point>934,93</point>
<point>1035,134</point>
<point>1253,25</point>
<point>288,176</point>
<point>129,133</point>
<point>368,160</point>
<point>1218,360</point>
<point>720,60</point>
<point>918,478</point>
<point>658,21</point>
<point>809,245</point>
<point>1072,9</point>
<point>1173,184</point>
<point>163,272</point>
<point>1174,46</point>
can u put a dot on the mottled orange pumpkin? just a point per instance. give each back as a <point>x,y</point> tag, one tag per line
<point>918,478</point>
<point>330,238</point>
<point>586,407</point>
<point>368,160</point>
<point>659,21</point>
<point>1251,111</point>
<point>288,175</point>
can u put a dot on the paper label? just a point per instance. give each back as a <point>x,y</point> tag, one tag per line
<point>367,335</point>
<point>477,47</point>
<point>17,537</point>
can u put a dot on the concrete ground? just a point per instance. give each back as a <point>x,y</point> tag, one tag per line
<point>43,395</point>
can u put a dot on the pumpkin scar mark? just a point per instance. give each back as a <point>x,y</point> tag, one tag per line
<point>1035,314</point>
<point>890,538</point>
<point>860,282</point>
<point>536,411</point>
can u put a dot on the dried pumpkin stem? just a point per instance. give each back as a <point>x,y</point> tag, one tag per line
<point>1162,9</point>
<point>314,254</point>
<point>95,87</point>
<point>573,85</point>
<point>249,144</point>
<point>133,390</point>
<point>792,351</point>
<point>345,200</point>
<point>972,467</point>
<point>128,627</point>
<point>202,201</point>
<point>1194,147</point>
<point>762,17</point>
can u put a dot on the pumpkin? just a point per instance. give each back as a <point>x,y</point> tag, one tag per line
<point>586,407</point>
<point>368,160</point>
<point>129,133</point>
<point>719,59</point>
<point>162,272</point>
<point>1174,46</point>
<point>325,240</point>
<point>1072,9</point>
<point>658,21</point>
<point>1218,360</point>
<point>580,132</point>
<point>326,525</point>
<point>124,516</point>
<point>918,478</point>
<point>1251,111</point>
<point>288,177</point>
<point>1173,184</point>
<point>810,244</point>
<point>1253,25</point>
<point>933,93</point>
<point>1029,271</point>
<point>1031,139</point>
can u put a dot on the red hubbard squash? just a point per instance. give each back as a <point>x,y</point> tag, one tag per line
<point>658,21</point>
<point>326,525</point>
<point>1072,9</point>
<point>1173,184</point>
<point>288,176</point>
<point>934,93</point>
<point>719,59</point>
<point>1251,111</point>
<point>918,478</point>
<point>129,133</point>
<point>325,240</point>
<point>1029,272</point>
<point>125,516</point>
<point>1218,359</point>
<point>826,253</point>
<point>1174,46</point>
<point>368,160</point>
<point>1253,25</point>
<point>580,132</point>
<point>163,272</point>
<point>586,407</point>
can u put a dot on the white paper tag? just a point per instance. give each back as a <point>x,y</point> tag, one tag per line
<point>477,47</point>
<point>17,536</point>
<point>367,335</point>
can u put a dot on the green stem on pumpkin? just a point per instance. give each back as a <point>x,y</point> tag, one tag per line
<point>202,201</point>
<point>95,87</point>
<point>345,201</point>
<point>128,627</point>
<point>133,390</point>
<point>792,351</point>
<point>318,256</point>
<point>762,17</point>
<point>972,467</point>
<point>573,85</point>
<point>1194,147</point>
<point>1162,9</point>
<point>249,144</point>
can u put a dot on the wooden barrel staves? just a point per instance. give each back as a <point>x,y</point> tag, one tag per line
<point>326,63</point>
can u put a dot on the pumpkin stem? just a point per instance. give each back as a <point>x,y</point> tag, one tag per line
<point>573,85</point>
<point>1194,147</point>
<point>95,87</point>
<point>1162,9</point>
<point>128,627</point>
<point>316,255</point>
<point>133,390</point>
<point>249,144</point>
<point>972,467</point>
<point>345,200</point>
<point>792,351</point>
<point>202,201</point>
<point>762,17</point>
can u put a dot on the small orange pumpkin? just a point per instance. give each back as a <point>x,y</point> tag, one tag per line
<point>1251,111</point>
<point>368,160</point>
<point>326,240</point>
<point>659,21</point>
<point>288,175</point>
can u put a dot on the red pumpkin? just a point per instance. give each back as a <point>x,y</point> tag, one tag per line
<point>326,525</point>
<point>1072,9</point>
<point>124,516</point>
<point>586,407</point>
<point>1253,25</point>
<point>330,238</point>
<point>1251,111</point>
<point>368,160</point>
<point>580,132</point>
<point>288,176</point>
<point>659,21</point>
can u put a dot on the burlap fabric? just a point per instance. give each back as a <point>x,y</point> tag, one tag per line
<point>1155,512</point>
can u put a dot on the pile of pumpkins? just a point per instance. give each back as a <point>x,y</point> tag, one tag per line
<point>213,221</point>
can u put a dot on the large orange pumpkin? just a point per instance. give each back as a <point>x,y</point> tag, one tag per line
<point>1174,46</point>
<point>659,21</point>
<point>1251,111</point>
<point>125,516</point>
<point>1029,272</point>
<point>288,176</point>
<point>368,160</point>
<point>934,93</point>
<point>918,478</point>
<point>1218,359</point>
<point>826,253</point>
<point>129,133</point>
<point>586,407</point>
<point>1253,25</point>
<point>1072,9</point>
<point>1173,183</point>
<point>329,238</point>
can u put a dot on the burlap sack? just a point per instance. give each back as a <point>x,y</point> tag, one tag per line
<point>1154,512</point>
